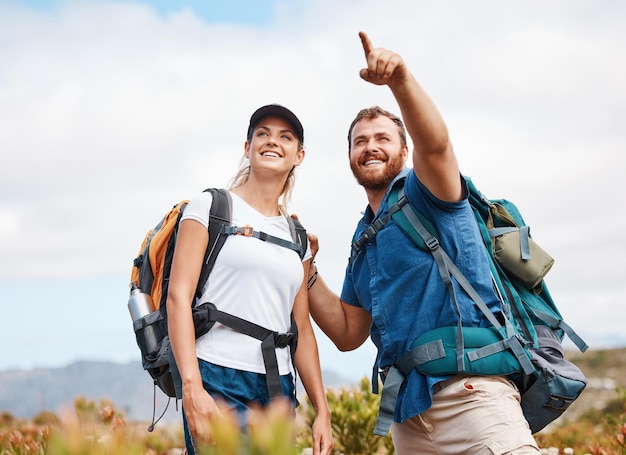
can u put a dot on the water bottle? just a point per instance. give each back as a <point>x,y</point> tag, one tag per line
<point>139,303</point>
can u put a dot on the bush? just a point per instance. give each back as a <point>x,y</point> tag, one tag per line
<point>99,428</point>
<point>354,412</point>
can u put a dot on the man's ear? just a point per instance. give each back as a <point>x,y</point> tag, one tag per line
<point>405,152</point>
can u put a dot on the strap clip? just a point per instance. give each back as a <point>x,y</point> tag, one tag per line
<point>282,340</point>
<point>246,231</point>
<point>432,243</point>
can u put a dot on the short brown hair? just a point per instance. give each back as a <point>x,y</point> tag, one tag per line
<point>372,113</point>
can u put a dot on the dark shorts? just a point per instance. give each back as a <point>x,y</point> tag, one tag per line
<point>238,390</point>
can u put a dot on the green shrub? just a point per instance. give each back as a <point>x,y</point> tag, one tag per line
<point>354,412</point>
<point>100,429</point>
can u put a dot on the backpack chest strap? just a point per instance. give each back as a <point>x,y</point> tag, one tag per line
<point>248,231</point>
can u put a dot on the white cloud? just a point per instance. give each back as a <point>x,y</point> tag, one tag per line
<point>110,112</point>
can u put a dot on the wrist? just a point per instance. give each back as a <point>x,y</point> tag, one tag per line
<point>312,277</point>
<point>323,412</point>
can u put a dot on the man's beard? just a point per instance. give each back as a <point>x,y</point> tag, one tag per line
<point>378,181</point>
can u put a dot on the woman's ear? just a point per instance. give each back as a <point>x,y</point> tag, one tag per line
<point>299,157</point>
<point>246,150</point>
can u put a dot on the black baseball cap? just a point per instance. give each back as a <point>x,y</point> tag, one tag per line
<point>276,110</point>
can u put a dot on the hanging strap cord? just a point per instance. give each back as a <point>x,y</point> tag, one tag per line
<point>562,325</point>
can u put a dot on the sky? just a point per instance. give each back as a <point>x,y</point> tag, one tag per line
<point>112,111</point>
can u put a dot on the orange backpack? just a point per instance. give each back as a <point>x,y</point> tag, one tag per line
<point>150,280</point>
<point>156,245</point>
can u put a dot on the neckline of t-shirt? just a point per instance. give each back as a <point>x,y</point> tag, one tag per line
<point>269,218</point>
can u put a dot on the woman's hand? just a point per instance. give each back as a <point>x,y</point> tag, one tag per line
<point>322,435</point>
<point>200,410</point>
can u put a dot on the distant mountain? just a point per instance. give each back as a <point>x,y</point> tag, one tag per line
<point>24,393</point>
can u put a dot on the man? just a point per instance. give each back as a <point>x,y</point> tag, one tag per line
<point>393,291</point>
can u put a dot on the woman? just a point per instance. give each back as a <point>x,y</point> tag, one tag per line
<point>255,280</point>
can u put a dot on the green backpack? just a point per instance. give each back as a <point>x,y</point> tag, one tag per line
<point>525,344</point>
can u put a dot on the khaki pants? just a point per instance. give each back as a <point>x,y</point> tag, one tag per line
<point>470,415</point>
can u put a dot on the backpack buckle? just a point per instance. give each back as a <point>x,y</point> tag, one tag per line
<point>246,231</point>
<point>383,373</point>
<point>432,244</point>
<point>282,340</point>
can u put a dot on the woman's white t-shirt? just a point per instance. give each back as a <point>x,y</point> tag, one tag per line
<point>252,279</point>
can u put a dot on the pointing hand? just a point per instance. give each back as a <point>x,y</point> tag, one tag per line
<point>384,67</point>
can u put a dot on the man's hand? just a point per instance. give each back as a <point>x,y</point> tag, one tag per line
<point>384,67</point>
<point>314,243</point>
<point>313,240</point>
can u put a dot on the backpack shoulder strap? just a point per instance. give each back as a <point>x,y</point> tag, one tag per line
<point>396,200</point>
<point>219,215</point>
<point>400,218</point>
<point>298,234</point>
<point>376,225</point>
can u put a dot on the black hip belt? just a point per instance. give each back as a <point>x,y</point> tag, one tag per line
<point>206,315</point>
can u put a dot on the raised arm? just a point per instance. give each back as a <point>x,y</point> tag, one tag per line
<point>434,161</point>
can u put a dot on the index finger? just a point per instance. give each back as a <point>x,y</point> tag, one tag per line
<point>367,44</point>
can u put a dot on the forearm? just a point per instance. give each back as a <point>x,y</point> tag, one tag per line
<point>329,313</point>
<point>434,160</point>
<point>326,310</point>
<point>308,364</point>
<point>423,121</point>
<point>182,339</point>
<point>198,404</point>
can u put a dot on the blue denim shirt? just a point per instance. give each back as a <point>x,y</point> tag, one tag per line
<point>400,286</point>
